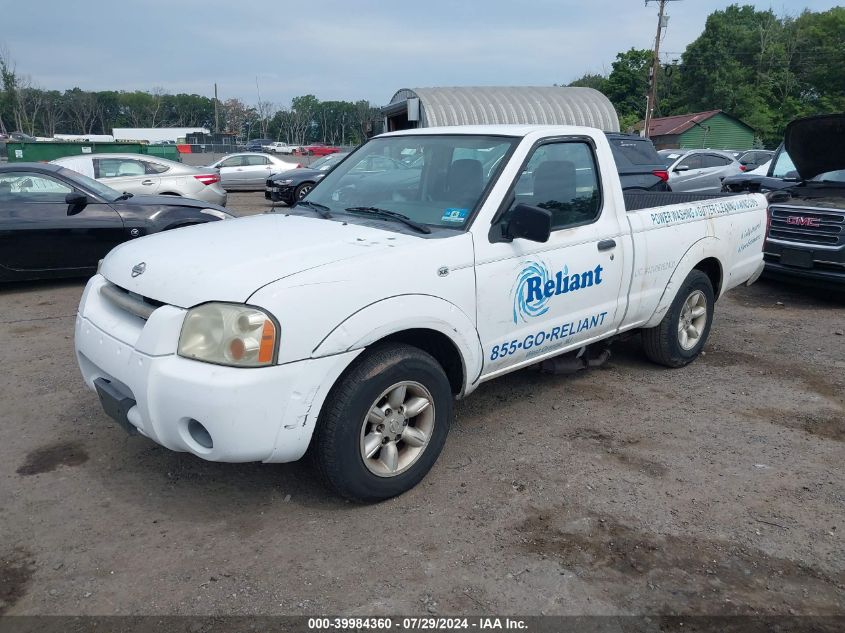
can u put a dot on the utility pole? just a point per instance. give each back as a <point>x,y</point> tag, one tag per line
<point>651,100</point>
<point>216,114</point>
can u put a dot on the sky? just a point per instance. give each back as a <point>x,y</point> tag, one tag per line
<point>337,49</point>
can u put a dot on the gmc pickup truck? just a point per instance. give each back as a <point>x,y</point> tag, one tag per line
<point>805,241</point>
<point>347,325</point>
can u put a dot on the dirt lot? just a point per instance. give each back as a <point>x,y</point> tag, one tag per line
<point>716,489</point>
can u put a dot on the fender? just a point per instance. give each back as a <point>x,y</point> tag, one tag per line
<point>702,249</point>
<point>407,312</point>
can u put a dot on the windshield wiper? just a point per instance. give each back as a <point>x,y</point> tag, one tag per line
<point>322,209</point>
<point>124,196</point>
<point>391,215</point>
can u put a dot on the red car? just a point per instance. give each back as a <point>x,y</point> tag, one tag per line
<point>317,149</point>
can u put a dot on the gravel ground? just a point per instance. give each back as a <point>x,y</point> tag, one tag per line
<point>714,489</point>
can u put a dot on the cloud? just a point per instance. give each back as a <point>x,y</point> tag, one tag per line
<point>334,49</point>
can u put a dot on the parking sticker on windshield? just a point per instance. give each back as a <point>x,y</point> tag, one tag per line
<point>455,215</point>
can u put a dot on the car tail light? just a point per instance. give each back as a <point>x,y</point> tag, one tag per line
<point>662,174</point>
<point>208,179</point>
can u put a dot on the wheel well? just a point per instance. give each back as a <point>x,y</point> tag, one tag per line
<point>438,345</point>
<point>713,269</point>
<point>170,193</point>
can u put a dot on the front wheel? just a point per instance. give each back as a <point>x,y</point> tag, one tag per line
<point>302,190</point>
<point>384,424</point>
<point>681,335</point>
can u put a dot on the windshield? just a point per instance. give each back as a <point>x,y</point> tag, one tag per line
<point>785,168</point>
<point>327,162</point>
<point>105,192</point>
<point>668,158</point>
<point>441,187</point>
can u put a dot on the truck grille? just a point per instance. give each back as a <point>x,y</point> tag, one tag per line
<point>806,225</point>
<point>130,302</point>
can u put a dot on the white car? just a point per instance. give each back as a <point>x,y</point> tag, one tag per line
<point>280,148</point>
<point>349,322</point>
<point>249,170</point>
<point>149,175</point>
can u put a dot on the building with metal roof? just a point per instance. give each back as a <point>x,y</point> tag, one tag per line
<point>532,105</point>
<point>713,129</point>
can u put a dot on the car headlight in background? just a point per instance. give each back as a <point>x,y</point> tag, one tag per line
<point>229,334</point>
<point>220,215</point>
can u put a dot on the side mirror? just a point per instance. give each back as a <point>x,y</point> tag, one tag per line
<point>681,168</point>
<point>75,202</point>
<point>530,223</point>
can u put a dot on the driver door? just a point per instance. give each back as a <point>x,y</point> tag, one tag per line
<point>231,172</point>
<point>127,174</point>
<point>36,233</point>
<point>536,300</point>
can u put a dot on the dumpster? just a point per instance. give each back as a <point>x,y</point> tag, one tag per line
<point>47,150</point>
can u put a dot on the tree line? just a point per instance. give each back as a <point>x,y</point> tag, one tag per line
<point>761,68</point>
<point>25,107</point>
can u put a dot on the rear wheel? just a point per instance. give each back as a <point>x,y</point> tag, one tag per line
<point>681,335</point>
<point>384,424</point>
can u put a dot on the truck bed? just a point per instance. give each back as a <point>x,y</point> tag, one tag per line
<point>636,200</point>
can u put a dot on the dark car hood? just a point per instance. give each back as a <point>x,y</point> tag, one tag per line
<point>754,183</point>
<point>298,174</point>
<point>816,144</point>
<point>167,201</point>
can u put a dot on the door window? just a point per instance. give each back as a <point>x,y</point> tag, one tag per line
<point>563,178</point>
<point>256,160</point>
<point>234,161</point>
<point>712,160</point>
<point>154,168</point>
<point>118,167</point>
<point>691,162</point>
<point>32,187</point>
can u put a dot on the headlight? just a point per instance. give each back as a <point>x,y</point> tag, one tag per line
<point>229,334</point>
<point>222,215</point>
<point>284,182</point>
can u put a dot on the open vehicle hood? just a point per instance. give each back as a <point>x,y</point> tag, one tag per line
<point>816,144</point>
<point>229,261</point>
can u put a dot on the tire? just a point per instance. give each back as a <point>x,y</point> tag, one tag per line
<point>349,426</point>
<point>302,190</point>
<point>671,345</point>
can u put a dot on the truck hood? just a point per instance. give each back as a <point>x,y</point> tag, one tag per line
<point>816,144</point>
<point>229,261</point>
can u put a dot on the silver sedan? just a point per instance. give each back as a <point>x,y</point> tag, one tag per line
<point>249,170</point>
<point>142,174</point>
<point>699,170</point>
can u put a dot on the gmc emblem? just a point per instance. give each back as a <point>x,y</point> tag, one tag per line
<point>803,221</point>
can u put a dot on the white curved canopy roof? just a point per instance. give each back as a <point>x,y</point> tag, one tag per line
<point>537,105</point>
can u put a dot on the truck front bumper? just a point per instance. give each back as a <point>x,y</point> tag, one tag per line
<point>819,277</point>
<point>822,268</point>
<point>223,414</point>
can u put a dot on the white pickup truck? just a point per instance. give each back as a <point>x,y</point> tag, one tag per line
<point>347,324</point>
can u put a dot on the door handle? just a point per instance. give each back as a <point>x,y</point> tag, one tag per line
<point>147,182</point>
<point>606,245</point>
